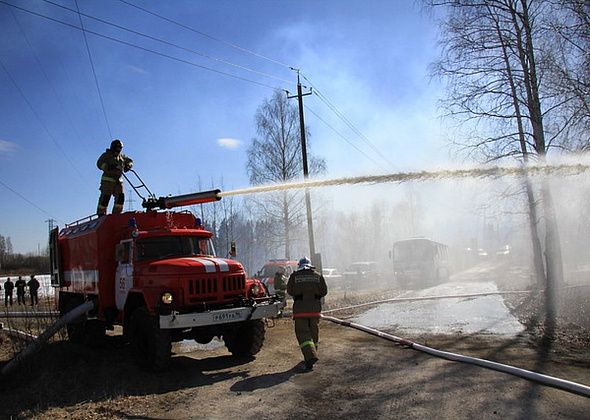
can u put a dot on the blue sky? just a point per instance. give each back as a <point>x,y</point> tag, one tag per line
<point>181,123</point>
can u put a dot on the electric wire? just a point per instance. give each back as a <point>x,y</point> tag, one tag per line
<point>143,48</point>
<point>342,136</point>
<point>26,199</point>
<point>42,69</point>
<point>104,112</point>
<point>30,105</point>
<point>342,117</point>
<point>231,44</point>
<point>163,41</point>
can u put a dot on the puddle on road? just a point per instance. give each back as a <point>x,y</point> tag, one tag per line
<point>483,315</point>
<point>190,346</point>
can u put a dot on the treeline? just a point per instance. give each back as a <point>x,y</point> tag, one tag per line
<point>21,263</point>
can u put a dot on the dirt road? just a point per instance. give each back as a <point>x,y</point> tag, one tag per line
<point>358,376</point>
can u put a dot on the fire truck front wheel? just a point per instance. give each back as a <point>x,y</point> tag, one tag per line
<point>246,339</point>
<point>151,346</point>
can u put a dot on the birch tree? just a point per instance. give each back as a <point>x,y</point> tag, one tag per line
<point>274,157</point>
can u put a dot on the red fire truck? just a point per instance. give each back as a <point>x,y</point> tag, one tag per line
<point>156,274</point>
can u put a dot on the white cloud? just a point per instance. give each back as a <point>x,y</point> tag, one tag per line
<point>229,143</point>
<point>7,146</point>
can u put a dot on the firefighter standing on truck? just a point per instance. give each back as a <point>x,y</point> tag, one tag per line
<point>112,163</point>
<point>307,287</point>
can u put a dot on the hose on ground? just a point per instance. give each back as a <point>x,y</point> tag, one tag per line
<point>562,384</point>
<point>75,313</point>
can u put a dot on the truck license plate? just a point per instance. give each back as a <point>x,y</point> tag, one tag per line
<point>227,316</point>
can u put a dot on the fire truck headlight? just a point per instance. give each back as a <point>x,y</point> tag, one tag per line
<point>167,298</point>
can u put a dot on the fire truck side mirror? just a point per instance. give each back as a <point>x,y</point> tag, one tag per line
<point>232,250</point>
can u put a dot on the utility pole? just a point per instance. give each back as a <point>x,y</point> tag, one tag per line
<point>299,97</point>
<point>51,224</point>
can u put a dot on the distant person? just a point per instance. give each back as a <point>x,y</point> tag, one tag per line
<point>307,287</point>
<point>280,284</point>
<point>20,290</point>
<point>8,288</point>
<point>112,163</point>
<point>33,290</point>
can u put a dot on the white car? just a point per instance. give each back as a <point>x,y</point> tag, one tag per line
<point>333,277</point>
<point>331,273</point>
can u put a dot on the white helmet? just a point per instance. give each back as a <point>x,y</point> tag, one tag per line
<point>304,264</point>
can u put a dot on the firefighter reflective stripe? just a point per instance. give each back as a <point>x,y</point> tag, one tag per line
<point>109,179</point>
<point>307,315</point>
<point>307,343</point>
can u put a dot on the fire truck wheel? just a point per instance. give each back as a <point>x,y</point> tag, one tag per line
<point>94,332</point>
<point>76,332</point>
<point>246,339</point>
<point>151,346</point>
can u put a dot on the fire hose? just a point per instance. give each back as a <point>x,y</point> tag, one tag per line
<point>562,384</point>
<point>35,345</point>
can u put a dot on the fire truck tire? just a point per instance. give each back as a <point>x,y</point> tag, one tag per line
<point>76,330</point>
<point>245,340</point>
<point>151,346</point>
<point>94,332</point>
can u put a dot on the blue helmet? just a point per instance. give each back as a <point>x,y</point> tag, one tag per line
<point>304,264</point>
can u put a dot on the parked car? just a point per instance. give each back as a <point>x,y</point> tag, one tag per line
<point>333,277</point>
<point>504,252</point>
<point>361,274</point>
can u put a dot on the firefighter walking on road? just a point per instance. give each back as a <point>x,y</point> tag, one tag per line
<point>112,163</point>
<point>8,288</point>
<point>20,285</point>
<point>307,287</point>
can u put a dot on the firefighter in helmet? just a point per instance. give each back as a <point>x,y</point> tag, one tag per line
<point>280,283</point>
<point>112,163</point>
<point>307,287</point>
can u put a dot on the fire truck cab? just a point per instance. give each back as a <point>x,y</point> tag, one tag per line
<point>156,274</point>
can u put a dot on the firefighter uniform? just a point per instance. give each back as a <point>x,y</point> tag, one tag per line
<point>307,287</point>
<point>280,285</point>
<point>112,163</point>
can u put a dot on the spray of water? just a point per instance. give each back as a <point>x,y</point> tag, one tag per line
<point>490,172</point>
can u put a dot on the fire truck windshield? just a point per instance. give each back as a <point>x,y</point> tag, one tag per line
<point>173,246</point>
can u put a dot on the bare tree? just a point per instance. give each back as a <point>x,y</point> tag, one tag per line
<point>569,67</point>
<point>495,57</point>
<point>275,157</point>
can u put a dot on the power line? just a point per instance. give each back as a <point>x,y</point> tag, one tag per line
<point>104,112</point>
<point>142,48</point>
<point>342,117</point>
<point>163,41</point>
<point>42,69</point>
<point>39,118</point>
<point>25,198</point>
<point>207,35</point>
<point>341,136</point>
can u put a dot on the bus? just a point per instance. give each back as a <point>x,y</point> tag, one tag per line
<point>420,262</point>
